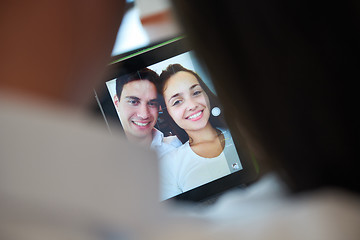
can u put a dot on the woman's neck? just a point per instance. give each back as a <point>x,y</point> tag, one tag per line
<point>206,134</point>
<point>207,142</point>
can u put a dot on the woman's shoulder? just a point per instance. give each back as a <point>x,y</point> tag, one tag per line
<point>178,152</point>
<point>181,154</point>
<point>182,149</point>
<point>172,140</point>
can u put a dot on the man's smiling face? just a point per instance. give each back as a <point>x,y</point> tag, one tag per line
<point>138,109</point>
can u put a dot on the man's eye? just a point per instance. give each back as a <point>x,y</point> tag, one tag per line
<point>153,104</point>
<point>134,102</point>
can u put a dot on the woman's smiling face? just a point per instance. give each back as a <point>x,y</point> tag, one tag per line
<point>186,101</point>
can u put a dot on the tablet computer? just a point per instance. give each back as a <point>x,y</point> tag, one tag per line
<point>162,96</point>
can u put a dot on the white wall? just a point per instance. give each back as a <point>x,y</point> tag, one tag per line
<point>150,7</point>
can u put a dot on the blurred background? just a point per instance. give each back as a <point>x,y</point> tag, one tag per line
<point>146,22</point>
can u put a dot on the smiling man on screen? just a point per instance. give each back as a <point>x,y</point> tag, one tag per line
<point>139,109</point>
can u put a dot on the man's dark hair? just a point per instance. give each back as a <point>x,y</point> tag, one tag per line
<point>143,74</point>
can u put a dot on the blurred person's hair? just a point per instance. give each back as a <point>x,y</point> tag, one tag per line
<point>286,73</point>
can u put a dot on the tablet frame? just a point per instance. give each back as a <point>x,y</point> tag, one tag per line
<point>132,61</point>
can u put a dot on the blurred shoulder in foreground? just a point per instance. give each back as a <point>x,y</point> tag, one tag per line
<point>62,176</point>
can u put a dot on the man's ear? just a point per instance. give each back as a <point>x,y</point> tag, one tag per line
<point>116,100</point>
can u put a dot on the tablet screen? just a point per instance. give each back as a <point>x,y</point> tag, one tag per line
<point>166,100</point>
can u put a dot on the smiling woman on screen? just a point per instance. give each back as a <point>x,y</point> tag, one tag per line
<point>188,106</point>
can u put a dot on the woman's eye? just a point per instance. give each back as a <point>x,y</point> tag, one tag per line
<point>197,92</point>
<point>177,102</point>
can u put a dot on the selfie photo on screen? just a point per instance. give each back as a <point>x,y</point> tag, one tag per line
<point>171,107</point>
